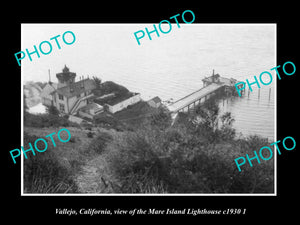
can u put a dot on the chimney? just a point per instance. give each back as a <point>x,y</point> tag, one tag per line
<point>82,82</point>
<point>49,77</point>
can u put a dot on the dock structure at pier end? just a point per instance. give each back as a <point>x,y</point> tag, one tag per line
<point>211,85</point>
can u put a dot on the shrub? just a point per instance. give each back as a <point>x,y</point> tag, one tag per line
<point>160,119</point>
<point>52,110</point>
<point>110,122</point>
<point>99,143</point>
<point>44,174</point>
<point>111,87</point>
<point>47,120</point>
<point>90,134</point>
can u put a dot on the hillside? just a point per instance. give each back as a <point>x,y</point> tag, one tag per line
<point>84,169</point>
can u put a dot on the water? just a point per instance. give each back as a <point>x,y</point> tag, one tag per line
<point>171,66</point>
<point>232,51</point>
<point>253,114</point>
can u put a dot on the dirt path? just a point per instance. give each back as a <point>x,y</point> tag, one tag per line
<point>94,177</point>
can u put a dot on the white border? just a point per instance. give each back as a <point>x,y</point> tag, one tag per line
<point>188,194</point>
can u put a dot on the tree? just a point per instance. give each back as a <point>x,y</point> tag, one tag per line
<point>206,120</point>
<point>161,119</point>
<point>52,110</point>
<point>97,81</point>
<point>226,130</point>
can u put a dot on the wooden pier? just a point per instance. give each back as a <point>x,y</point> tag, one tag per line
<point>211,85</point>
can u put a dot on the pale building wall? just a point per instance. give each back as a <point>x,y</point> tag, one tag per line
<point>59,101</point>
<point>72,101</point>
<point>124,104</point>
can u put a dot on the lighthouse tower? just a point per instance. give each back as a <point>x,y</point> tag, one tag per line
<point>66,77</point>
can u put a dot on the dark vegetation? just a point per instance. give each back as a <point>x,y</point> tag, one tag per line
<point>99,143</point>
<point>196,155</point>
<point>120,92</point>
<point>43,173</point>
<point>47,120</point>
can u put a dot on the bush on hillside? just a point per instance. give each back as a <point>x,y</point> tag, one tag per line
<point>111,87</point>
<point>99,143</point>
<point>44,174</point>
<point>46,120</point>
<point>109,122</point>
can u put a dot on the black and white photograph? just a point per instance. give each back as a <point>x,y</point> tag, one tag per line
<point>160,117</point>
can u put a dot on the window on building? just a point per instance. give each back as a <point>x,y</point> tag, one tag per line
<point>61,107</point>
<point>61,97</point>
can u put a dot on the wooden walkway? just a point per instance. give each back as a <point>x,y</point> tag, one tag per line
<point>211,85</point>
<point>193,97</point>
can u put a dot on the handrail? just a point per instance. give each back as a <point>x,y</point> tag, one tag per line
<point>78,102</point>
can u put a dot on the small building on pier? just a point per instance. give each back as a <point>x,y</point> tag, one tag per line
<point>216,78</point>
<point>227,83</point>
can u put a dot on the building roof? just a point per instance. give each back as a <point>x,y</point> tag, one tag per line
<point>48,89</point>
<point>156,100</point>
<point>210,79</point>
<point>92,105</point>
<point>75,119</point>
<point>115,99</point>
<point>77,88</point>
<point>221,80</point>
<point>66,75</point>
<point>66,69</point>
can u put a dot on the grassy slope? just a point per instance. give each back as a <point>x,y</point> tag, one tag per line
<point>86,166</point>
